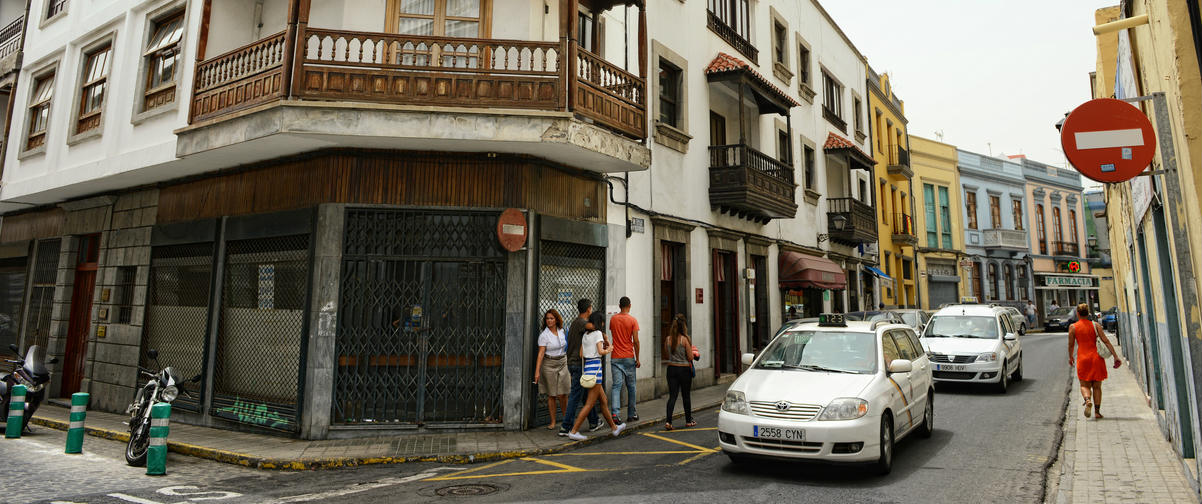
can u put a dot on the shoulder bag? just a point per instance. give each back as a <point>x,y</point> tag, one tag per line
<point>587,380</point>
<point>1102,350</point>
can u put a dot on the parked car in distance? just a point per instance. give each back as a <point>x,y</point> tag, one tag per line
<point>1059,319</point>
<point>914,318</point>
<point>974,344</point>
<point>1017,319</point>
<point>1110,319</point>
<point>835,391</point>
<point>874,316</point>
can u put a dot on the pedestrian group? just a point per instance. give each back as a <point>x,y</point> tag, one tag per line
<point>569,369</point>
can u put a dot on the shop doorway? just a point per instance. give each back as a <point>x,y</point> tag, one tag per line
<point>80,322</point>
<point>726,314</point>
<point>672,283</point>
<point>761,328</point>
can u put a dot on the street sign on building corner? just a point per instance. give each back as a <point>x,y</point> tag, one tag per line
<point>1108,140</point>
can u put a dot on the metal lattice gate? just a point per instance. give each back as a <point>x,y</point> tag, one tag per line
<point>258,364</point>
<point>421,329</point>
<point>567,272</point>
<point>177,312</point>
<point>41,293</point>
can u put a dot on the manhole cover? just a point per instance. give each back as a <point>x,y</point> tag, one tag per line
<point>469,490</point>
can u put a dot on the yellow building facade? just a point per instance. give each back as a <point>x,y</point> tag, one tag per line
<point>898,235</point>
<point>940,227</point>
<point>1155,220</point>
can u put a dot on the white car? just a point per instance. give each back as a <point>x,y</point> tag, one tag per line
<point>974,344</point>
<point>832,391</point>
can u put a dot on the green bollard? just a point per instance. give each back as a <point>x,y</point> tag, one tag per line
<point>156,453</point>
<point>79,410</point>
<point>16,413</point>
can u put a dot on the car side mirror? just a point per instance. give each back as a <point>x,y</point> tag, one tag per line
<point>1010,337</point>
<point>901,366</point>
<point>153,354</point>
<point>748,358</point>
<point>14,348</point>
<point>53,360</point>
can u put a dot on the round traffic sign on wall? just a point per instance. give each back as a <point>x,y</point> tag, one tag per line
<point>1108,140</point>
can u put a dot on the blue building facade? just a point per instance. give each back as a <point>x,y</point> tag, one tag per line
<point>995,240</point>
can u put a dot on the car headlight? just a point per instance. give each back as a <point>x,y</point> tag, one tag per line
<point>169,393</point>
<point>845,408</point>
<point>735,402</point>
<point>987,357</point>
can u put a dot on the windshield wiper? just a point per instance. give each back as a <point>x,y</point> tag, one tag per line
<point>972,336</point>
<point>814,367</point>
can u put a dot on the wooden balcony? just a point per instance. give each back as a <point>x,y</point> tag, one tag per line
<point>10,44</point>
<point>850,221</point>
<point>349,66</point>
<point>903,230</point>
<point>750,184</point>
<point>1004,239</point>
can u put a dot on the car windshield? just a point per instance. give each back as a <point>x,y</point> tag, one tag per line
<point>832,351</point>
<point>962,326</point>
<point>1062,311</point>
<point>910,318</point>
<point>870,316</point>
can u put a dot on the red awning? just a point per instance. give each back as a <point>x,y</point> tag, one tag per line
<point>800,271</point>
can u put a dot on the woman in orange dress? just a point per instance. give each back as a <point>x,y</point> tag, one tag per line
<point>1091,367</point>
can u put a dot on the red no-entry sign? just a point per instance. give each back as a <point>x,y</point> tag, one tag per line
<point>1108,140</point>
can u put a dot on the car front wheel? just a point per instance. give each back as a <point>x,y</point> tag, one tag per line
<point>884,464</point>
<point>1018,373</point>
<point>1003,382</point>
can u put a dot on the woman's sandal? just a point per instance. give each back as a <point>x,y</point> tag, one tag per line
<point>1097,411</point>
<point>668,426</point>
<point>1088,408</point>
<point>552,427</point>
<point>690,424</point>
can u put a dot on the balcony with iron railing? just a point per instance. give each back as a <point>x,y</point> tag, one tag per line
<point>903,229</point>
<point>1005,239</point>
<point>490,77</point>
<point>850,221</point>
<point>1064,248</point>
<point>750,184</point>
<point>10,41</point>
<point>899,164</point>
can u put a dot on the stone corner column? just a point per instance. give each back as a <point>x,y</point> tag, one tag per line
<point>323,322</point>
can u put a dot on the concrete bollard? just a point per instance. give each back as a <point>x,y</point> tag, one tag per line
<point>16,413</point>
<point>156,453</point>
<point>79,410</point>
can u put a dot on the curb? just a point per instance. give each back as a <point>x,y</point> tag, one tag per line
<point>257,462</point>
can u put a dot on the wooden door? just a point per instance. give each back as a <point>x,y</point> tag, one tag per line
<point>80,323</point>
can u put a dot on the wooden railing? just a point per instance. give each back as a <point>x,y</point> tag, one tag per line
<point>429,70</point>
<point>244,77</point>
<point>731,36</point>
<point>751,184</point>
<point>850,220</point>
<point>10,37</point>
<point>423,70</point>
<point>608,94</point>
<point>742,155</point>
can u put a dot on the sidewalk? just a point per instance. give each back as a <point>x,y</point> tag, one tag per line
<point>273,452</point>
<point>1121,458</point>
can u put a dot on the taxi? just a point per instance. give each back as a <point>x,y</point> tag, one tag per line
<point>833,391</point>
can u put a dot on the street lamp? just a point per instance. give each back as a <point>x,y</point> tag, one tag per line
<point>838,223</point>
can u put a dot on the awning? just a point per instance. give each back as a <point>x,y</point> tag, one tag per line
<point>877,272</point>
<point>837,144</point>
<point>768,97</point>
<point>800,271</point>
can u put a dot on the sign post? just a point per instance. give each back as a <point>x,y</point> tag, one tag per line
<point>1108,140</point>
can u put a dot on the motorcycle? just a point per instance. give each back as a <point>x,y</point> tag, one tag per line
<point>163,386</point>
<point>30,372</point>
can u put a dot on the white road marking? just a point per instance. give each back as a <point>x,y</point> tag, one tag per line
<point>137,500</point>
<point>362,487</point>
<point>190,491</point>
<point>1110,138</point>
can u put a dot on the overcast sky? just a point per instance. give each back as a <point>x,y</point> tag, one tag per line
<point>992,75</point>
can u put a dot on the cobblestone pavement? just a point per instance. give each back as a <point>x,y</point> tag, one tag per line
<point>1121,458</point>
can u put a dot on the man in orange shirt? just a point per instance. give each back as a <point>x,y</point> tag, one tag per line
<point>625,359</point>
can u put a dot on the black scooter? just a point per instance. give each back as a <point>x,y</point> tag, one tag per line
<point>30,372</point>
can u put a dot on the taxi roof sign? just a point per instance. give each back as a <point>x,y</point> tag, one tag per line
<point>831,320</point>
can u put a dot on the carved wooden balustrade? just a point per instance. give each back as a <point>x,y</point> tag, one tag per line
<point>10,37</point>
<point>429,70</point>
<point>751,184</point>
<point>374,67</point>
<point>244,77</point>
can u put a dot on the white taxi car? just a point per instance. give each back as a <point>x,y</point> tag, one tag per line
<point>974,344</point>
<point>832,391</point>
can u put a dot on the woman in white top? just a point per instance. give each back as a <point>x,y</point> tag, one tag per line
<point>551,368</point>
<point>592,347</point>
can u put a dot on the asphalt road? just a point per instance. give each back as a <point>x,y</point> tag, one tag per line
<point>987,448</point>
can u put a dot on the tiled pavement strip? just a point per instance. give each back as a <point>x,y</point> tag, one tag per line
<point>1121,458</point>
<point>274,452</point>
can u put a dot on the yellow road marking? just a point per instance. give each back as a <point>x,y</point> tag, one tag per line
<point>555,464</point>
<point>681,443</point>
<point>695,458</point>
<point>691,429</point>
<point>455,475</point>
<point>664,452</point>
<point>503,475</point>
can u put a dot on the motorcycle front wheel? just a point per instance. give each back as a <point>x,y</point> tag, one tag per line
<point>139,442</point>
